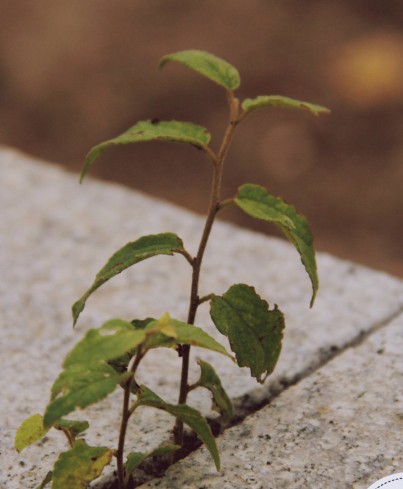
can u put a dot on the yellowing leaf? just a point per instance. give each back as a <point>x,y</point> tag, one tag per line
<point>185,334</point>
<point>165,326</point>
<point>30,431</point>
<point>77,467</point>
<point>97,346</point>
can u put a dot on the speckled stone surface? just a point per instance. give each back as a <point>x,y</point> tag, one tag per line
<point>56,235</point>
<point>339,428</point>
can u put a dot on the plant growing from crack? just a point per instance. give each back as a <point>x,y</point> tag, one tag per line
<point>111,354</point>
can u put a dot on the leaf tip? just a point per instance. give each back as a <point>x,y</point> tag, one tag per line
<point>320,111</point>
<point>76,310</point>
<point>312,302</point>
<point>163,61</point>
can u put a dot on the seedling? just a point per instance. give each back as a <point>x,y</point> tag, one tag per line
<point>109,356</point>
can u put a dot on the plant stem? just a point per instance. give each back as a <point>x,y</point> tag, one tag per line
<point>214,207</point>
<point>126,413</point>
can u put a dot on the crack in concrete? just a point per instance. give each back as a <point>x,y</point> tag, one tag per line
<point>247,404</point>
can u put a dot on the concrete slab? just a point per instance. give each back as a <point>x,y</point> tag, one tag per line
<point>56,235</point>
<point>340,428</point>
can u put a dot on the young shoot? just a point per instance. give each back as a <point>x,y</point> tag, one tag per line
<point>108,357</point>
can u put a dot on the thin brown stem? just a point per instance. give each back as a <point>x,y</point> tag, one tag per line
<point>214,207</point>
<point>188,257</point>
<point>225,203</point>
<point>126,413</point>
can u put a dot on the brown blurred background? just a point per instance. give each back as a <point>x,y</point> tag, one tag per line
<point>76,72</point>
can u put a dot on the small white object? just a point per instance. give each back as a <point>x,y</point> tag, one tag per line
<point>394,481</point>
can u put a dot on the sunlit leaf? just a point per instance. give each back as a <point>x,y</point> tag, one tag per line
<point>208,65</point>
<point>185,334</point>
<point>210,380</point>
<point>100,345</point>
<point>188,415</point>
<point>262,101</point>
<point>80,465</point>
<point>255,201</point>
<point>132,253</point>
<point>152,130</point>
<point>165,326</point>
<point>254,331</point>
<point>30,431</point>
<point>80,386</point>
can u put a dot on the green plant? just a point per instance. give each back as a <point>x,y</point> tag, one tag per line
<point>110,355</point>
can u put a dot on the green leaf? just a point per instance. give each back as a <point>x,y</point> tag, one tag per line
<point>210,380</point>
<point>162,450</point>
<point>132,253</point>
<point>255,333</point>
<point>208,65</point>
<point>80,465</point>
<point>30,431</point>
<point>255,201</point>
<point>262,101</point>
<point>134,459</point>
<point>141,323</point>
<point>184,334</point>
<point>152,130</point>
<point>71,428</point>
<point>80,386</point>
<point>46,480</point>
<point>188,415</point>
<point>99,345</point>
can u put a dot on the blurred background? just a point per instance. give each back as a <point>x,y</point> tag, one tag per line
<point>74,73</point>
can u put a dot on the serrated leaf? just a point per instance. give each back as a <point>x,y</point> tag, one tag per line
<point>255,201</point>
<point>99,345</point>
<point>262,101</point>
<point>30,431</point>
<point>188,415</point>
<point>80,465</point>
<point>152,130</point>
<point>216,69</point>
<point>210,380</point>
<point>71,427</point>
<point>132,253</point>
<point>46,480</point>
<point>185,334</point>
<point>254,331</point>
<point>80,386</point>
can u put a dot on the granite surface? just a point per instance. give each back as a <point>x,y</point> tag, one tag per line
<point>339,428</point>
<point>56,235</point>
